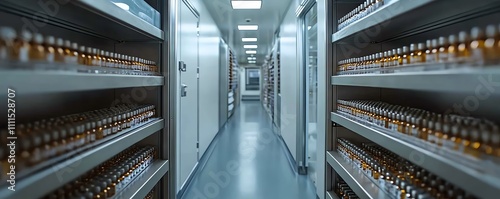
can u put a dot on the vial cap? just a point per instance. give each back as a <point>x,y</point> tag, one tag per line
<point>463,36</point>
<point>443,41</point>
<point>59,42</point>
<point>38,38</point>
<point>7,33</point>
<point>82,48</point>
<point>89,50</point>
<point>477,33</point>
<point>26,35</point>
<point>50,40</point>
<point>428,44</point>
<point>412,47</point>
<point>74,46</point>
<point>434,43</point>
<point>491,31</point>
<point>421,46</point>
<point>452,39</point>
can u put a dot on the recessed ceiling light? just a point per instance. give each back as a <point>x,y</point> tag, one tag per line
<point>252,62</point>
<point>248,39</point>
<point>246,4</point>
<point>251,52</point>
<point>249,46</point>
<point>248,27</point>
<point>252,58</point>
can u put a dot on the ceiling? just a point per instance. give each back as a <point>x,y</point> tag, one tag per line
<point>268,18</point>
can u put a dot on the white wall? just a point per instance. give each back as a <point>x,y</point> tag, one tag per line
<point>289,85</point>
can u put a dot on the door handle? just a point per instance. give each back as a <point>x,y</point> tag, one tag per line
<point>182,66</point>
<point>184,90</point>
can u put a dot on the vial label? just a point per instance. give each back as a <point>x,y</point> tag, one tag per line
<point>3,53</point>
<point>50,57</point>
<point>23,54</point>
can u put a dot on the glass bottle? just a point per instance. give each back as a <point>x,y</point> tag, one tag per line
<point>80,136</point>
<point>453,49</point>
<point>59,51</point>
<point>82,58</point>
<point>455,140</point>
<point>428,51</point>
<point>423,131</point>
<point>99,130</point>
<point>446,135</point>
<point>37,51</point>
<point>465,135</point>
<point>434,56</point>
<point>55,142</point>
<point>50,52</point>
<point>463,54</point>
<point>89,59</point>
<point>7,37</point>
<point>22,46</point>
<point>490,49</point>
<point>421,53</point>
<point>495,140</point>
<point>413,54</point>
<point>443,50</point>
<point>477,46</point>
<point>406,58</point>
<point>473,148</point>
<point>115,125</point>
<point>36,153</point>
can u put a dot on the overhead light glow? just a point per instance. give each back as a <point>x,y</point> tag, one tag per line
<point>248,39</point>
<point>309,27</point>
<point>249,46</point>
<point>250,52</point>
<point>252,62</point>
<point>246,4</point>
<point>248,27</point>
<point>252,58</point>
<point>123,6</point>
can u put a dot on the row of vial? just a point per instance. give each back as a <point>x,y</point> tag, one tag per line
<point>110,178</point>
<point>359,12</point>
<point>398,177</point>
<point>25,46</point>
<point>343,190</point>
<point>46,139</point>
<point>479,47</point>
<point>478,138</point>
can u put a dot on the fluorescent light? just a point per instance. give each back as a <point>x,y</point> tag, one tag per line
<point>252,58</point>
<point>248,39</point>
<point>246,4</point>
<point>251,52</point>
<point>249,46</point>
<point>252,62</point>
<point>248,27</point>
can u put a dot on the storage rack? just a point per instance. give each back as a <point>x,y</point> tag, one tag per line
<point>398,23</point>
<point>268,86</point>
<point>42,94</point>
<point>233,84</point>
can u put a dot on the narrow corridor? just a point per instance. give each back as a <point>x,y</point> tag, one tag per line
<point>248,162</point>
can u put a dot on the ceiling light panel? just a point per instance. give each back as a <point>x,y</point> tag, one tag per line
<point>252,62</point>
<point>248,39</point>
<point>249,46</point>
<point>246,4</point>
<point>252,58</point>
<point>248,27</point>
<point>250,52</point>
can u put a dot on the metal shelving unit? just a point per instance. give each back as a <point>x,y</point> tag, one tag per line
<point>361,184</point>
<point>63,172</point>
<point>102,19</point>
<point>33,82</point>
<point>399,23</point>
<point>442,81</point>
<point>58,89</point>
<point>471,180</point>
<point>233,84</point>
<point>331,195</point>
<point>144,183</point>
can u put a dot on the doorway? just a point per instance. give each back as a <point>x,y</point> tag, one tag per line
<point>188,81</point>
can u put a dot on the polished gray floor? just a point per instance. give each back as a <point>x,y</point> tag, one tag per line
<point>248,162</point>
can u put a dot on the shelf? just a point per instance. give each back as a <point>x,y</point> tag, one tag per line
<point>361,184</point>
<point>100,18</point>
<point>331,195</point>
<point>474,182</point>
<point>424,15</point>
<point>147,180</point>
<point>466,80</point>
<point>31,82</point>
<point>66,171</point>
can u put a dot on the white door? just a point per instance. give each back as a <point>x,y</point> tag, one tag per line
<point>188,93</point>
